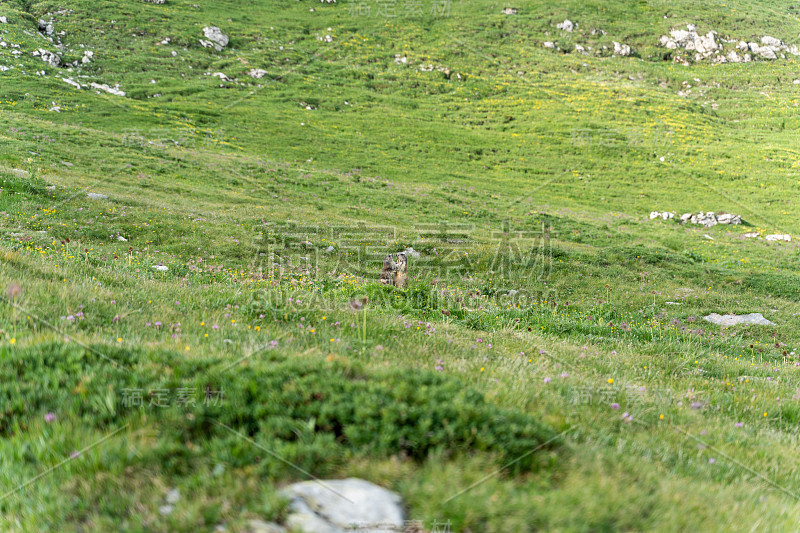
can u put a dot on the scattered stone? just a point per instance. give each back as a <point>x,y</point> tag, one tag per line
<point>779,237</point>
<point>334,506</point>
<point>510,11</point>
<point>45,27</point>
<point>157,2</point>
<point>710,219</point>
<point>257,73</point>
<point>622,50</point>
<point>411,252</point>
<point>3,20</point>
<point>567,25</point>
<point>96,196</point>
<point>751,235</point>
<point>707,46</point>
<point>330,249</point>
<point>222,76</point>
<point>215,37</point>
<point>666,215</point>
<point>728,218</point>
<point>173,496</point>
<point>161,268</point>
<point>111,90</point>
<point>733,320</point>
<point>120,238</point>
<point>87,57</point>
<point>549,44</point>
<point>50,58</point>
<point>72,82</point>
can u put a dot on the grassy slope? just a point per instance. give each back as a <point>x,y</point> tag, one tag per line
<point>530,137</point>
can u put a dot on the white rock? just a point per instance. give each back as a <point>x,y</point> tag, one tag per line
<point>161,268</point>
<point>567,25</point>
<point>728,218</point>
<point>257,73</point>
<point>120,238</point>
<point>215,35</point>
<point>72,82</point>
<point>173,496</point>
<point>751,235</point>
<point>96,196</point>
<point>779,237</point>
<point>333,506</point>
<point>549,44</point>
<point>48,57</point>
<point>3,20</point>
<point>111,90</point>
<point>411,252</point>
<point>222,76</point>
<point>767,52</point>
<point>732,320</point>
<point>509,11</point>
<point>771,41</point>
<point>622,49</point>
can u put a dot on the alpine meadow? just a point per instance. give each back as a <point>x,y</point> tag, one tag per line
<point>411,266</point>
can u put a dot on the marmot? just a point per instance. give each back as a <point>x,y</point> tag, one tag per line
<point>389,269</point>
<point>401,272</point>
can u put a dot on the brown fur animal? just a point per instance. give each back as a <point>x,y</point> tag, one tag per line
<point>389,269</point>
<point>401,274</point>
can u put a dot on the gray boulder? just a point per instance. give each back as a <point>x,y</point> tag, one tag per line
<point>215,38</point>
<point>567,25</point>
<point>337,506</point>
<point>733,320</point>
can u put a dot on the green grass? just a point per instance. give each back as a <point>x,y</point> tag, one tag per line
<point>535,171</point>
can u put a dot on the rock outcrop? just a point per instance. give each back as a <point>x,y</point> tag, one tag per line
<point>710,47</point>
<point>337,506</point>
<point>214,38</point>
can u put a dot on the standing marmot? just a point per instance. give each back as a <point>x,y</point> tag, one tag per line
<point>389,269</point>
<point>401,273</point>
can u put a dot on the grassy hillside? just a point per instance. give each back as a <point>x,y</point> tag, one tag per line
<point>548,368</point>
